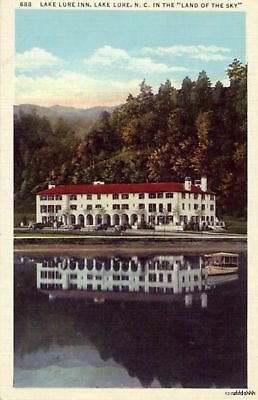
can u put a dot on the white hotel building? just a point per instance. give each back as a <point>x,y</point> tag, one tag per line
<point>132,203</point>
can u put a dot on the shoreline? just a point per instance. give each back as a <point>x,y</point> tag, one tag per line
<point>140,247</point>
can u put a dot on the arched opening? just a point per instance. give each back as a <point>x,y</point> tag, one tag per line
<point>134,219</point>
<point>98,219</point>
<point>143,218</point>
<point>116,219</point>
<point>81,220</point>
<point>81,263</point>
<point>124,219</point>
<point>107,264</point>
<point>152,219</point>
<point>125,265</point>
<point>72,264</point>
<point>89,264</point>
<point>107,219</point>
<point>89,219</point>
<point>116,265</point>
<point>98,264</point>
<point>72,219</point>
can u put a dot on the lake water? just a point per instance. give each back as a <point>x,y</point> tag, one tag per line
<point>128,321</point>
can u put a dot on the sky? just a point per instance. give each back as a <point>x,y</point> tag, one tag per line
<point>87,58</point>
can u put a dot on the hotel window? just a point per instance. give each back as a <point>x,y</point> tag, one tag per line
<point>141,278</point>
<point>125,196</point>
<point>203,196</point>
<point>89,277</point>
<point>169,195</point>
<point>203,207</point>
<point>212,196</point>
<point>183,196</point>
<point>116,277</point>
<point>169,277</point>
<point>43,209</point>
<point>115,196</point>
<point>183,206</point>
<point>89,287</point>
<point>50,209</point>
<point>160,195</point>
<point>141,196</point>
<point>58,197</point>
<point>98,206</point>
<point>98,196</point>
<point>152,277</point>
<point>152,207</point>
<point>196,206</point>
<point>141,206</point>
<point>125,278</point>
<point>89,196</point>
<point>73,196</point>
<point>160,208</point>
<point>43,274</point>
<point>195,196</point>
<point>189,206</point>
<point>51,197</point>
<point>58,208</point>
<point>73,276</point>
<point>116,206</point>
<point>89,207</point>
<point>125,206</point>
<point>169,207</point>
<point>152,195</point>
<point>160,277</point>
<point>42,197</point>
<point>212,207</point>
<point>73,207</point>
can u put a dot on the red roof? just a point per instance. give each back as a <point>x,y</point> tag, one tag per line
<point>120,188</point>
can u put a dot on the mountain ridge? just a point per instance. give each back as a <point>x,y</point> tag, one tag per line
<point>82,120</point>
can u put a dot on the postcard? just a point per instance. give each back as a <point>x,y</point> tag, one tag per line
<point>128,187</point>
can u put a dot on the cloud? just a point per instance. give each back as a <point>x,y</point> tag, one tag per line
<point>36,58</point>
<point>205,53</point>
<point>73,89</point>
<point>108,56</point>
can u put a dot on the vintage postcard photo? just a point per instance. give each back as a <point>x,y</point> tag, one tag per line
<point>128,140</point>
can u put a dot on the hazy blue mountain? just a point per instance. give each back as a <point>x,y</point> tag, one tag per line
<point>79,119</point>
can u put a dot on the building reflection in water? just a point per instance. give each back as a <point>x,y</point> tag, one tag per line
<point>135,278</point>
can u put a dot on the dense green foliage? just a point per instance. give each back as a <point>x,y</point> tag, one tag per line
<point>198,129</point>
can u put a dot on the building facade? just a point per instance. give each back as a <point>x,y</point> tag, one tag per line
<point>132,203</point>
<point>106,277</point>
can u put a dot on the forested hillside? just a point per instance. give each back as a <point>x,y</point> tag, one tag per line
<point>164,136</point>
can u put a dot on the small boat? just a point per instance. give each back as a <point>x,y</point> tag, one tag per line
<point>221,263</point>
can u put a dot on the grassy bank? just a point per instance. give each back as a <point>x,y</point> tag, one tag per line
<point>236,225</point>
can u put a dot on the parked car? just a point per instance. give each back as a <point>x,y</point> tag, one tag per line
<point>37,225</point>
<point>101,227</point>
<point>75,227</point>
<point>120,228</point>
